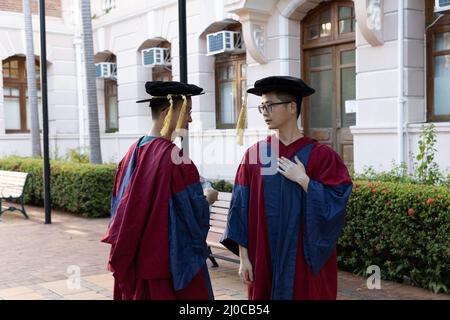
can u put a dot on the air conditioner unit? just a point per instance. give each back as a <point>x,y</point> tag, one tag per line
<point>441,5</point>
<point>105,70</point>
<point>156,57</point>
<point>223,41</point>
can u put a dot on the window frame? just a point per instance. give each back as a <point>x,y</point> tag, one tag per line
<point>335,38</point>
<point>21,84</point>
<point>441,26</point>
<point>228,60</point>
<point>107,86</point>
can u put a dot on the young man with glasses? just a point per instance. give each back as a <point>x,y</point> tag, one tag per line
<point>284,223</point>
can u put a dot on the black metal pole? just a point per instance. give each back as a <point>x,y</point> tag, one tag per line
<point>183,44</point>
<point>183,60</point>
<point>47,203</point>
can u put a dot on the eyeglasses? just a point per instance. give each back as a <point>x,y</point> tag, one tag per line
<point>268,107</point>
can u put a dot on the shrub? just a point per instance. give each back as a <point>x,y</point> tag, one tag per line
<point>402,228</point>
<point>74,155</point>
<point>427,170</point>
<point>77,188</point>
<point>222,186</point>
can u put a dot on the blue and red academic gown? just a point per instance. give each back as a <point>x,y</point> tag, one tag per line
<point>158,228</point>
<point>290,234</point>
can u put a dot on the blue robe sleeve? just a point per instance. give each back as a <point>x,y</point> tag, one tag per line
<point>325,203</point>
<point>115,199</point>
<point>236,232</point>
<point>188,229</point>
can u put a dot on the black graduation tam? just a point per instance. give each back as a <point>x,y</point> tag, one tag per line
<point>286,84</point>
<point>161,89</point>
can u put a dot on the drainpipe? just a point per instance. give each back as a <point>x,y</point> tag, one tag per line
<point>78,62</point>
<point>401,84</point>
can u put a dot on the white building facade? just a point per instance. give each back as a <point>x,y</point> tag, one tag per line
<point>367,82</point>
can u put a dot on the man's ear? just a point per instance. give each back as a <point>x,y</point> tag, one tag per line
<point>293,107</point>
<point>164,113</point>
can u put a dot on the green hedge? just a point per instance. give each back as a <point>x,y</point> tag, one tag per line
<point>222,186</point>
<point>402,228</point>
<point>77,188</point>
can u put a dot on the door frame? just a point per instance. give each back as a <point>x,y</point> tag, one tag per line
<point>343,134</point>
<point>336,44</point>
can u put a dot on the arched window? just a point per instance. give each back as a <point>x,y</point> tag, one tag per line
<point>16,105</point>
<point>328,23</point>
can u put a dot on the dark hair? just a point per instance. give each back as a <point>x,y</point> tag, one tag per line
<point>290,97</point>
<point>159,105</point>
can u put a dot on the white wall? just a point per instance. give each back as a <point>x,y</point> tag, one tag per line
<point>375,133</point>
<point>124,29</point>
<point>62,100</point>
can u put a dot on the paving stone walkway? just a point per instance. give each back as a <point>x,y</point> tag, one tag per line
<point>40,262</point>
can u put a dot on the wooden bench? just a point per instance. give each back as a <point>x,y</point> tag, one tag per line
<point>12,186</point>
<point>218,223</point>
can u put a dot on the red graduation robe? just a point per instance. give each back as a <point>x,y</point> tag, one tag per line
<point>290,234</point>
<point>158,228</point>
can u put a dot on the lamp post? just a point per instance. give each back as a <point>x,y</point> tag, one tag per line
<point>183,60</point>
<point>47,202</point>
<point>182,37</point>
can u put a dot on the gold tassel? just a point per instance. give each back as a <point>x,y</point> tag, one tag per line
<point>240,126</point>
<point>183,114</point>
<point>168,119</point>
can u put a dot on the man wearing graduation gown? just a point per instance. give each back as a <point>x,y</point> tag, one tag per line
<point>288,203</point>
<point>159,214</point>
